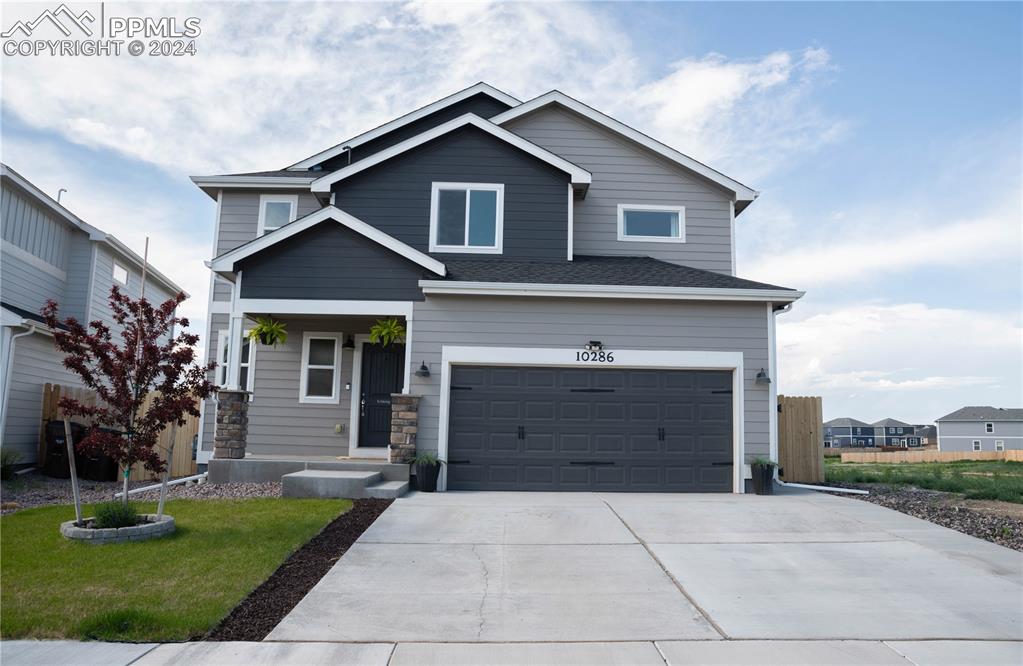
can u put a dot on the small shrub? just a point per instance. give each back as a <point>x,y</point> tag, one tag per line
<point>8,459</point>
<point>427,458</point>
<point>115,514</point>
<point>937,473</point>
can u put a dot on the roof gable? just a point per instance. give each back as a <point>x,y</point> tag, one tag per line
<point>984,413</point>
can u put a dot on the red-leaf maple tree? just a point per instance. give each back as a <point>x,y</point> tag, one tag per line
<point>147,358</point>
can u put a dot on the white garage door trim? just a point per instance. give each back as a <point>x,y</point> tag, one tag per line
<point>623,358</point>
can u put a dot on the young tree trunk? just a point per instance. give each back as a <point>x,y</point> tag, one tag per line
<point>74,472</point>
<point>124,493</point>
<point>167,471</point>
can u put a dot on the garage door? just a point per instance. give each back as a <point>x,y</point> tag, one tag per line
<point>526,428</point>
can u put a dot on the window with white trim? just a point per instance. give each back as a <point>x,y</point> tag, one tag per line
<point>660,224</point>
<point>246,367</point>
<point>321,368</point>
<point>276,210</point>
<point>467,217</point>
<point>999,445</point>
<point>976,445</point>
<point>989,427</point>
<point>120,274</point>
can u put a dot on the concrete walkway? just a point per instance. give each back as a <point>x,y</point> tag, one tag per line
<point>515,578</point>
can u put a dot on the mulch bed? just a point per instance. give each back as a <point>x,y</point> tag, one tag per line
<point>945,509</point>
<point>261,611</point>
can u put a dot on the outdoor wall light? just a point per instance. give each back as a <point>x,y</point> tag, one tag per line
<point>423,371</point>
<point>594,345</point>
<point>762,377</point>
<point>349,343</point>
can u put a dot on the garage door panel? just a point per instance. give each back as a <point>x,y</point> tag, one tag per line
<point>590,429</point>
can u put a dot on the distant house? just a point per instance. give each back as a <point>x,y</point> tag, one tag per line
<point>890,432</point>
<point>49,253</point>
<point>852,432</point>
<point>928,434</point>
<point>981,429</point>
<point>847,432</point>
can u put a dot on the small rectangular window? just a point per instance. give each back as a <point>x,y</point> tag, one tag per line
<point>637,222</point>
<point>246,368</point>
<point>467,217</point>
<point>120,274</point>
<point>976,445</point>
<point>989,427</point>
<point>321,368</point>
<point>999,445</point>
<point>276,210</point>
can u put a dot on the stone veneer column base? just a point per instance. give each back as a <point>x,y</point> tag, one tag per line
<point>232,424</point>
<point>404,427</point>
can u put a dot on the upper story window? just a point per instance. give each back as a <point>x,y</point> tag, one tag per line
<point>857,431</point>
<point>467,217</point>
<point>662,224</point>
<point>989,427</point>
<point>120,274</point>
<point>276,210</point>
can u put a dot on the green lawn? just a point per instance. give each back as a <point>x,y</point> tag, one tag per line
<point>168,589</point>
<point>995,479</point>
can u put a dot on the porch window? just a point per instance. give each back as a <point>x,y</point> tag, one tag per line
<point>246,368</point>
<point>321,368</point>
<point>467,217</point>
<point>276,210</point>
<point>638,222</point>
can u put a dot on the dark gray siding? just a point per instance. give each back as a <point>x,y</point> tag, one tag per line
<point>395,196</point>
<point>482,105</point>
<point>331,262</point>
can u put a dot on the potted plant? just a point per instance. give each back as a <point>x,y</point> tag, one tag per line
<point>763,475</point>
<point>387,332</point>
<point>270,332</point>
<point>427,470</point>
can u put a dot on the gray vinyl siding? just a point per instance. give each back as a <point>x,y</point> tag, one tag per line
<point>218,322</point>
<point>331,262</point>
<point>28,285</point>
<point>36,362</point>
<point>625,173</point>
<point>32,228</point>
<point>103,280</point>
<point>394,196</point>
<point>619,324</point>
<point>78,272</point>
<point>239,215</point>
<point>959,435</point>
<point>482,105</point>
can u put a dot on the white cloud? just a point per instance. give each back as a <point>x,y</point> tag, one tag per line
<point>907,361</point>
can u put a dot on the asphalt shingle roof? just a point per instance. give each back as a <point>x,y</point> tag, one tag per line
<point>300,173</point>
<point>595,270</point>
<point>846,421</point>
<point>984,413</point>
<point>892,422</point>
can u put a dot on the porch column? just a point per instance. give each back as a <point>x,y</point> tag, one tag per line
<point>404,427</point>
<point>232,429</point>
<point>234,337</point>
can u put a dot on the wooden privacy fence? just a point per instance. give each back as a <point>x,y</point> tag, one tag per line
<point>800,444</point>
<point>930,456</point>
<point>182,463</point>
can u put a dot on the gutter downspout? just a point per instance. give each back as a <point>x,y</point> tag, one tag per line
<point>8,365</point>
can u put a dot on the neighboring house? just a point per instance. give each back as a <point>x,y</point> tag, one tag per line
<point>567,283</point>
<point>845,432</point>
<point>981,429</point>
<point>890,432</point>
<point>49,253</point>
<point>928,434</point>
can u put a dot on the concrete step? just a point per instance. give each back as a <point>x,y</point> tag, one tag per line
<point>387,489</point>
<point>328,483</point>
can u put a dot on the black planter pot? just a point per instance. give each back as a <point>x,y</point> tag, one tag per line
<point>426,478</point>
<point>763,479</point>
<point>264,339</point>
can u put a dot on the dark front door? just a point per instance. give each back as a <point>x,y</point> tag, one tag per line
<point>383,370</point>
<point>527,428</point>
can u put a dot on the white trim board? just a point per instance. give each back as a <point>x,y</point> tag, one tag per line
<point>624,358</point>
<point>606,291</point>
<point>741,192</point>
<point>354,450</point>
<point>303,364</point>
<point>225,262</point>
<point>286,306</point>
<point>579,176</point>
<point>419,113</point>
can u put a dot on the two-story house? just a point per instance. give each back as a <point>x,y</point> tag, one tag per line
<point>49,253</point>
<point>891,432</point>
<point>981,428</point>
<point>568,287</point>
<point>847,432</point>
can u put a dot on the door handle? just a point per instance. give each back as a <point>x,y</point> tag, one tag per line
<point>362,406</point>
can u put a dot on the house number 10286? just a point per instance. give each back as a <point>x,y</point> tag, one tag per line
<point>595,356</point>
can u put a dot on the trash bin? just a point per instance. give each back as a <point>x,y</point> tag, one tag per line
<point>55,462</point>
<point>95,466</point>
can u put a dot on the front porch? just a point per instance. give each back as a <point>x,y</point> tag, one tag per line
<point>305,476</point>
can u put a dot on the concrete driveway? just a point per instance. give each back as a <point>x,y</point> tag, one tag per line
<point>565,568</point>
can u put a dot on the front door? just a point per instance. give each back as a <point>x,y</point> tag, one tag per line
<point>383,370</point>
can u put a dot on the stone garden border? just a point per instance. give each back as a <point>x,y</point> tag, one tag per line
<point>151,529</point>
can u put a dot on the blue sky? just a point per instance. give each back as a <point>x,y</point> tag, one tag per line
<point>885,139</point>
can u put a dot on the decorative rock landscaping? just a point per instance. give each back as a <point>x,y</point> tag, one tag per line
<point>153,528</point>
